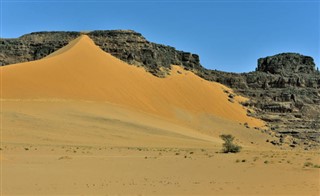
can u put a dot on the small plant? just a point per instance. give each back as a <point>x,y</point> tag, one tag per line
<point>308,164</point>
<point>316,166</point>
<point>311,165</point>
<point>228,145</point>
<point>246,125</point>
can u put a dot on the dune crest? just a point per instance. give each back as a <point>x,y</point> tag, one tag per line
<point>82,71</point>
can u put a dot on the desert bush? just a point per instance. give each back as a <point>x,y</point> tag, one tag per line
<point>316,166</point>
<point>228,145</point>
<point>308,164</point>
<point>311,165</point>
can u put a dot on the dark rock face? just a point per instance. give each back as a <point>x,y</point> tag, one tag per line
<point>133,48</point>
<point>286,93</point>
<point>286,63</point>
<point>33,46</point>
<point>126,45</point>
<point>284,90</point>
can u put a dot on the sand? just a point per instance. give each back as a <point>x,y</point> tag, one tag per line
<point>82,71</point>
<point>81,121</point>
<point>87,170</point>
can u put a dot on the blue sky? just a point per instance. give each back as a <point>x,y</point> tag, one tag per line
<point>228,35</point>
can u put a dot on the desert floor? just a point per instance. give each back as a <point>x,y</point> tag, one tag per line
<point>87,148</point>
<point>90,170</point>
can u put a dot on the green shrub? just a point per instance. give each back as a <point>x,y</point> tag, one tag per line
<point>228,145</point>
<point>316,166</point>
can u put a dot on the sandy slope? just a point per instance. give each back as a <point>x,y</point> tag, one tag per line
<point>82,71</point>
<point>83,122</point>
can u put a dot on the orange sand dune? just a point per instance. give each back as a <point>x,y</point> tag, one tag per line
<point>81,121</point>
<point>82,71</point>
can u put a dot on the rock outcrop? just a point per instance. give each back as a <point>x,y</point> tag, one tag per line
<point>284,90</point>
<point>33,46</point>
<point>133,48</point>
<point>126,45</point>
<point>286,63</point>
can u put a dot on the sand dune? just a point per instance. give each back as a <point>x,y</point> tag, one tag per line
<point>82,71</point>
<point>81,121</point>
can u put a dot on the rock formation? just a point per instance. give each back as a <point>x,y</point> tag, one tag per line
<point>126,45</point>
<point>286,63</point>
<point>285,90</point>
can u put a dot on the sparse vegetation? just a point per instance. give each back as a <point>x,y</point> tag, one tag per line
<point>246,125</point>
<point>308,164</point>
<point>316,166</point>
<point>228,145</point>
<point>311,165</point>
<point>243,160</point>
